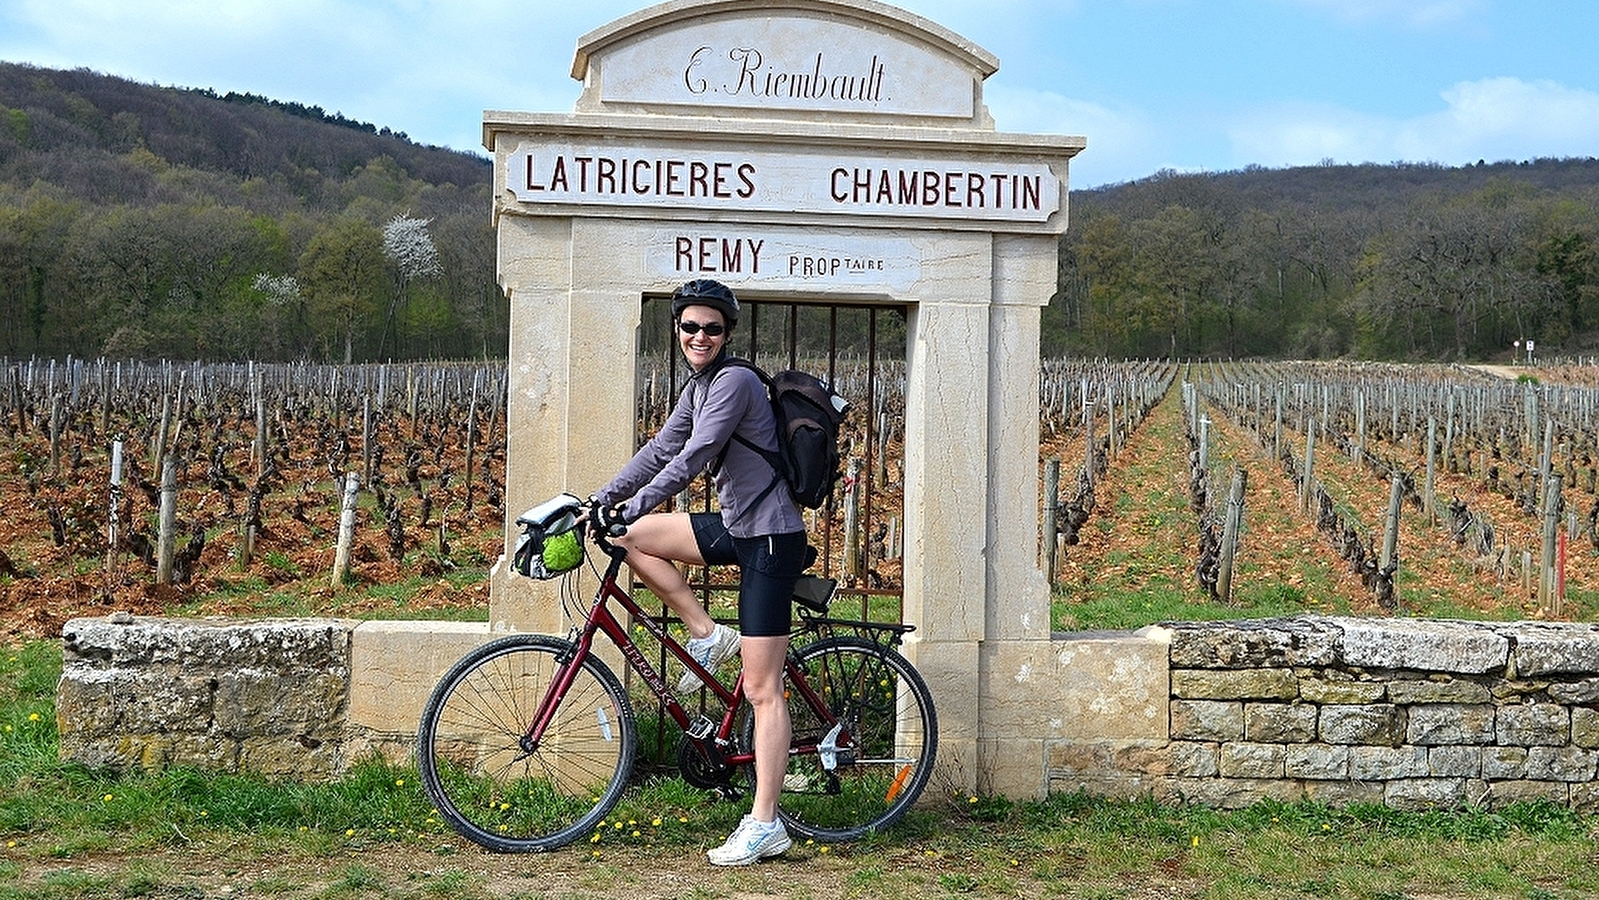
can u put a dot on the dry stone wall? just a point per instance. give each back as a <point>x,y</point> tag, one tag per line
<point>268,697</point>
<point>1405,713</point>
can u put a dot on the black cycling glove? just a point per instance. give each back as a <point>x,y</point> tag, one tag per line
<point>606,521</point>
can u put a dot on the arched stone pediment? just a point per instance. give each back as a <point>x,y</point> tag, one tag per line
<point>804,59</point>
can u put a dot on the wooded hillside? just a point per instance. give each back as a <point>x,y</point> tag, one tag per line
<point>1388,262</point>
<point>142,221</point>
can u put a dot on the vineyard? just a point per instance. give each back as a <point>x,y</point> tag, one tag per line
<point>1272,488</point>
<point>259,456</point>
<point>1180,491</point>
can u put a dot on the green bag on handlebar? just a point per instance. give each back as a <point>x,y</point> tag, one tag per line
<point>552,538</point>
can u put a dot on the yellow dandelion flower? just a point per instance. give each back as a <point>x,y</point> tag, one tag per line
<point>34,717</point>
<point>11,845</point>
<point>1015,862</point>
<point>823,849</point>
<point>399,782</point>
<point>656,822</point>
<point>635,832</point>
<point>682,820</point>
<point>349,832</point>
<point>107,798</point>
<point>595,839</point>
<point>1196,840</point>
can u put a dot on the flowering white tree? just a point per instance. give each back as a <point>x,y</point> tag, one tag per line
<point>408,245</point>
<point>279,289</point>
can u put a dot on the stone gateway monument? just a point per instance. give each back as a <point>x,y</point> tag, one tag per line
<point>825,151</point>
<point>838,153</point>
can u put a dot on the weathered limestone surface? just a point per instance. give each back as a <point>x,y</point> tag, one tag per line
<point>1411,713</point>
<point>1111,714</point>
<point>269,697</point>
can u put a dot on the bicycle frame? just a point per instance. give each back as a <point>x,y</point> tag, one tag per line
<point>600,620</point>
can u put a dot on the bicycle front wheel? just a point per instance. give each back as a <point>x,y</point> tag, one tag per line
<point>874,745</point>
<point>489,781</point>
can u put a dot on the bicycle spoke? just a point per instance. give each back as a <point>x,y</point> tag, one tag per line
<point>474,765</point>
<point>875,737</point>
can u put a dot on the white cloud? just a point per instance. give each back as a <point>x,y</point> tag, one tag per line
<point>1301,134</point>
<point>1488,118</point>
<point>1492,119</point>
<point>1121,143</point>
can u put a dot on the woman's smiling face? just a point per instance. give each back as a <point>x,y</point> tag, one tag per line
<point>701,347</point>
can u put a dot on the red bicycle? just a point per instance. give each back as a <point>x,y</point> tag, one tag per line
<point>529,741</point>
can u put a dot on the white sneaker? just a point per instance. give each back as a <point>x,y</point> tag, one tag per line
<point>709,652</point>
<point>752,841</point>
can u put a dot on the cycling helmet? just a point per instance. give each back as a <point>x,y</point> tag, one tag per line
<point>705,292</point>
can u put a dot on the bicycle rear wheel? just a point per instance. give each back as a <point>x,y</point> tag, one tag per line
<point>494,788</point>
<point>877,742</point>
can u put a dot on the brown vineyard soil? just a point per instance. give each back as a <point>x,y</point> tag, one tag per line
<point>54,537</point>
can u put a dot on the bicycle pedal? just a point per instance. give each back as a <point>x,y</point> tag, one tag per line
<point>701,729</point>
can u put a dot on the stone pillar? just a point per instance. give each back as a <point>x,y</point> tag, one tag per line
<point>573,346</point>
<point>946,502</point>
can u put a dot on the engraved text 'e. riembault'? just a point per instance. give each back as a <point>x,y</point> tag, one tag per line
<point>752,77</point>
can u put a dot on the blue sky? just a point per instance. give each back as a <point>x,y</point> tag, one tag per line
<point>1191,85</point>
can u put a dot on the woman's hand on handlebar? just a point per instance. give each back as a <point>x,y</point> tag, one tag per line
<point>605,521</point>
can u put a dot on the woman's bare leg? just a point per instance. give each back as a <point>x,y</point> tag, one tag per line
<point>655,544</point>
<point>763,687</point>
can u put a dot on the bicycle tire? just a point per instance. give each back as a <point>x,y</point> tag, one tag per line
<point>475,771</point>
<point>884,704</point>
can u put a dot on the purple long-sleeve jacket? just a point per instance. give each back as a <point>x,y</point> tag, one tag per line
<point>717,402</point>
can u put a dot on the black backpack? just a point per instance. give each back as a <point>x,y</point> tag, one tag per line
<point>808,416</point>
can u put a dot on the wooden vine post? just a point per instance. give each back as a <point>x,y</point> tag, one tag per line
<point>1549,599</point>
<point>341,553</point>
<point>1231,527</point>
<point>852,513</point>
<point>167,539</point>
<point>1306,492</point>
<point>1390,534</point>
<point>1051,526</point>
<point>115,508</point>
<point>1430,502</point>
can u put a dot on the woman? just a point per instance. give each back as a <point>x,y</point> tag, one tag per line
<point>758,527</point>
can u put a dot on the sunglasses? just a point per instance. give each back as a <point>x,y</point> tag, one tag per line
<point>711,329</point>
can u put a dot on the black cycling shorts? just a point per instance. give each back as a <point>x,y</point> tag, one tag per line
<point>768,565</point>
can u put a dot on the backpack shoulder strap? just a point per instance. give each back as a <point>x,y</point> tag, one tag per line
<point>772,456</point>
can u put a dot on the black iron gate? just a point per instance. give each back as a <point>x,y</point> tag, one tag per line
<point>860,350</point>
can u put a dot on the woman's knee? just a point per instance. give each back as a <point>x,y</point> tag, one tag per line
<point>759,691</point>
<point>663,536</point>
